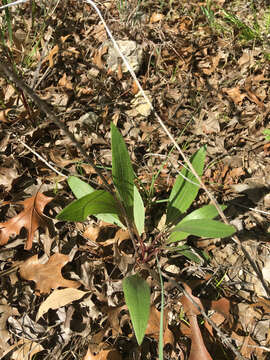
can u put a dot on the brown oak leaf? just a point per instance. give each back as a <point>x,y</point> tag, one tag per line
<point>154,325</point>
<point>31,218</point>
<point>47,276</point>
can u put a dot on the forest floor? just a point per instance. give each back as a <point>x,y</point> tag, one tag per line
<point>205,67</point>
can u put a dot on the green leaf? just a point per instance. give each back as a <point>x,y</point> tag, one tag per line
<point>185,189</point>
<point>111,219</point>
<point>98,202</point>
<point>205,228</point>
<point>137,297</point>
<point>186,251</point>
<point>122,172</point>
<point>139,213</point>
<point>81,188</point>
<point>177,236</point>
<point>205,212</point>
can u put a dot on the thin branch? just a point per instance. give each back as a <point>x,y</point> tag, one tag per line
<point>42,159</point>
<point>13,3</point>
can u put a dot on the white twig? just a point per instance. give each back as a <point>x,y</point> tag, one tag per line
<point>13,3</point>
<point>42,159</point>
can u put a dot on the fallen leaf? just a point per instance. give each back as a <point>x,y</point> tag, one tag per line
<point>154,324</point>
<point>211,124</point>
<point>246,58</point>
<point>113,318</point>
<point>119,72</point>
<point>26,349</point>
<point>47,276</point>
<point>134,88</point>
<point>5,312</point>
<point>65,82</point>
<point>222,306</point>
<point>4,115</point>
<point>59,298</point>
<point>198,349</point>
<point>31,218</point>
<point>49,58</point>
<point>185,24</point>
<point>64,38</point>
<point>156,17</point>
<point>252,97</point>
<point>140,106</point>
<point>266,149</point>
<point>237,172</point>
<point>235,94</point>
<point>110,354</point>
<point>99,33</point>
<point>97,60</point>
<point>7,175</point>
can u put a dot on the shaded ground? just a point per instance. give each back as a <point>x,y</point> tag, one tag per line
<point>206,68</point>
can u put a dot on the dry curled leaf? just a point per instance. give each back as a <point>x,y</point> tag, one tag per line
<point>59,298</point>
<point>5,312</point>
<point>7,175</point>
<point>154,325</point>
<point>51,55</point>
<point>198,349</point>
<point>31,218</point>
<point>24,349</point>
<point>4,115</point>
<point>65,82</point>
<point>235,94</point>
<point>156,17</point>
<point>47,276</point>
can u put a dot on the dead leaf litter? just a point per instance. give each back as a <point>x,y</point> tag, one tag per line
<point>205,67</point>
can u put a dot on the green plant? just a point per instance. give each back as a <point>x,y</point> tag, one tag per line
<point>222,21</point>
<point>125,208</point>
<point>246,32</point>
<point>266,132</point>
<point>211,17</point>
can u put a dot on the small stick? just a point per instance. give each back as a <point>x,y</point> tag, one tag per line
<point>42,159</point>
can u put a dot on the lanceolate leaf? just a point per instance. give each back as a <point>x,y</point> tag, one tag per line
<point>123,175</point>
<point>186,188</point>
<point>137,297</point>
<point>98,202</point>
<point>81,188</point>
<point>205,228</point>
<point>138,211</point>
<point>205,212</point>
